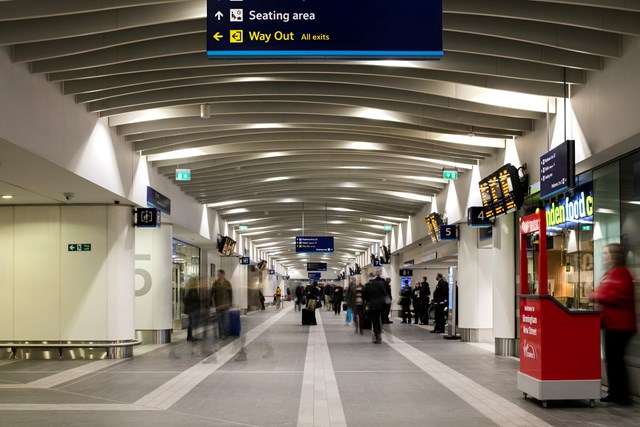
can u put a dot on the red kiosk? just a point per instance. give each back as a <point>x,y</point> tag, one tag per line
<point>559,348</point>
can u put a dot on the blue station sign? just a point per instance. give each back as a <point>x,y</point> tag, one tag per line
<point>375,29</point>
<point>314,244</point>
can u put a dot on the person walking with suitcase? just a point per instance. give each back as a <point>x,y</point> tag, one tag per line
<point>222,297</point>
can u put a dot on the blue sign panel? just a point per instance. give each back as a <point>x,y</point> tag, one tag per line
<point>324,28</point>
<point>157,200</point>
<point>557,169</point>
<point>448,232</point>
<point>314,244</point>
<point>477,218</point>
<point>316,266</point>
<point>315,276</point>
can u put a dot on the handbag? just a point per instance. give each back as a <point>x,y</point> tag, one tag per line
<point>311,304</point>
<point>349,315</point>
<point>344,306</point>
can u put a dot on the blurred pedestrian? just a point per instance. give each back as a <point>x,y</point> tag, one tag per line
<point>615,297</point>
<point>336,299</point>
<point>440,297</point>
<point>192,307</point>
<point>387,308</point>
<point>425,294</point>
<point>222,297</point>
<point>405,303</point>
<point>375,297</point>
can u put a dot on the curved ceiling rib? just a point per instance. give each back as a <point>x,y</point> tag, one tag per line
<point>359,143</point>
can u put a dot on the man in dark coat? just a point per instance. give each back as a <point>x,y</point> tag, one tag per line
<point>425,294</point>
<point>405,303</point>
<point>440,296</point>
<point>415,302</point>
<point>387,308</point>
<point>375,296</point>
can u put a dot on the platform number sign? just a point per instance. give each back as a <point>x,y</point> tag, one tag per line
<point>448,232</point>
<point>476,217</point>
<point>405,272</point>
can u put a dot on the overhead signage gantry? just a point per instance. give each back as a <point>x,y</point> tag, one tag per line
<point>371,29</point>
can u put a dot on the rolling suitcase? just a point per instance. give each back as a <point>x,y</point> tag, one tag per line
<point>308,317</point>
<point>234,323</point>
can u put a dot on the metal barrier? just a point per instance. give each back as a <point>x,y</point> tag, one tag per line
<point>71,349</point>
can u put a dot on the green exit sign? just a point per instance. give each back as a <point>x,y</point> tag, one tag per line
<point>388,227</point>
<point>244,227</point>
<point>183,174</point>
<point>79,247</point>
<point>357,253</point>
<point>450,175</point>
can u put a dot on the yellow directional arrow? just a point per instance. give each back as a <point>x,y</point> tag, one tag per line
<point>217,36</point>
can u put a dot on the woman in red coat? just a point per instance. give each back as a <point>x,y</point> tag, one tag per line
<point>615,296</point>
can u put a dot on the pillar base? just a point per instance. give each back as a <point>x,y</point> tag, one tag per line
<point>476,335</point>
<point>154,336</point>
<point>505,346</point>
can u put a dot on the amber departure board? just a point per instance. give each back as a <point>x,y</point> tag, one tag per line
<point>434,221</point>
<point>501,192</point>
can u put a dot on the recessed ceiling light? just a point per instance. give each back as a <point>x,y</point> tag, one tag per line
<point>7,196</point>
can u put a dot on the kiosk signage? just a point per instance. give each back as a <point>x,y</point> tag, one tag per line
<point>559,348</point>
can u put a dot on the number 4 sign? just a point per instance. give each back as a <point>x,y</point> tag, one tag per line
<point>477,218</point>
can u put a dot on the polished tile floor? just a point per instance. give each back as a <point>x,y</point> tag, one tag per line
<point>280,373</point>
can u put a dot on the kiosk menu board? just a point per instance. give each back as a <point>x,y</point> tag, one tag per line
<point>501,192</point>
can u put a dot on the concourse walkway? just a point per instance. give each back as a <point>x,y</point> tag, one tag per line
<point>280,373</point>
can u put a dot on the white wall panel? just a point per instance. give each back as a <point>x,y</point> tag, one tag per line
<point>468,280</point>
<point>6,273</point>
<point>37,273</point>
<point>485,289</point>
<point>153,249</point>
<point>121,271</point>
<point>83,275</point>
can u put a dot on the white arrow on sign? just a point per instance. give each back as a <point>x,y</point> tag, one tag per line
<point>219,15</point>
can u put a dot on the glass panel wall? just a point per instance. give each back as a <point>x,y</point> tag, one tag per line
<point>186,266</point>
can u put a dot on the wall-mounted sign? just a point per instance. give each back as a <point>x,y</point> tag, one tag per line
<point>314,276</point>
<point>183,174</point>
<point>316,266</point>
<point>245,260</point>
<point>434,221</point>
<point>324,28</point>
<point>79,247</point>
<point>477,218</point>
<point>272,272</point>
<point>388,227</point>
<point>448,232</point>
<point>408,263</point>
<point>569,210</point>
<point>375,263</point>
<point>405,272</point>
<point>147,218</point>
<point>157,200</point>
<point>314,244</point>
<point>557,169</point>
<point>244,227</point>
<point>501,192</point>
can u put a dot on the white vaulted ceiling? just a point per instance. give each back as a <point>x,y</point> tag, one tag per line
<point>359,143</point>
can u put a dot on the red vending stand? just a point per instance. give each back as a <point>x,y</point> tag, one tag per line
<point>559,348</point>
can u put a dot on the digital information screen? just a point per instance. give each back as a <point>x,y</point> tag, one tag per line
<point>372,29</point>
<point>314,244</point>
<point>316,266</point>
<point>314,276</point>
<point>434,221</point>
<point>501,192</point>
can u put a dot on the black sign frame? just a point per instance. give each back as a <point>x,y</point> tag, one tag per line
<point>558,169</point>
<point>316,266</point>
<point>147,218</point>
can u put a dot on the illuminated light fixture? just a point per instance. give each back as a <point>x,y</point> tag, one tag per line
<point>236,211</point>
<point>342,209</point>
<point>7,196</point>
<point>355,167</point>
<point>276,178</point>
<point>408,196</point>
<point>244,227</point>
<point>205,111</point>
<point>223,204</point>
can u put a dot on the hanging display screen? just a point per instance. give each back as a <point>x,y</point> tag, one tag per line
<point>434,221</point>
<point>501,192</point>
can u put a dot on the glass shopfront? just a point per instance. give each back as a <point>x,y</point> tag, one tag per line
<point>186,267</point>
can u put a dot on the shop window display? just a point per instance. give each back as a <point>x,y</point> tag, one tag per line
<point>186,266</point>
